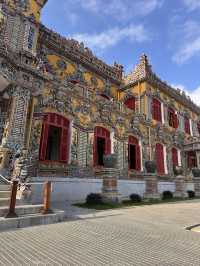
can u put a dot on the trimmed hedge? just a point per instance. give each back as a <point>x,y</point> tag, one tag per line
<point>94,198</point>
<point>135,198</point>
<point>191,194</point>
<point>166,195</point>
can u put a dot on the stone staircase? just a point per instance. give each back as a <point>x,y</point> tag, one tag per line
<point>27,215</point>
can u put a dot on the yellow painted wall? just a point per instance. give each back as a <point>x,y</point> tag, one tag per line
<point>70,69</point>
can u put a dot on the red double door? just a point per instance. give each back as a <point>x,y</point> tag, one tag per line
<point>134,157</point>
<point>160,158</point>
<point>102,144</point>
<point>54,144</point>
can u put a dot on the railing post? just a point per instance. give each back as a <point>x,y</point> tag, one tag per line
<point>47,198</point>
<point>11,213</point>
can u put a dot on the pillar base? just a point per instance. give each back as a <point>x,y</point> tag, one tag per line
<point>151,187</point>
<point>180,187</point>
<point>152,196</point>
<point>111,197</point>
<point>110,185</point>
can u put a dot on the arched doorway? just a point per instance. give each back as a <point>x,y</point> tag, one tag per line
<point>134,157</point>
<point>160,159</point>
<point>102,144</point>
<point>54,144</point>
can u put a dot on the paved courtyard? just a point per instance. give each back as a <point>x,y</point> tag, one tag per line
<point>148,235</point>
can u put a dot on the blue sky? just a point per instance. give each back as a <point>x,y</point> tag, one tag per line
<point>168,31</point>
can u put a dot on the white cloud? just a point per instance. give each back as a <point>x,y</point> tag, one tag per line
<point>187,51</point>
<point>194,94</point>
<point>189,42</point>
<point>109,38</point>
<point>119,9</point>
<point>192,4</point>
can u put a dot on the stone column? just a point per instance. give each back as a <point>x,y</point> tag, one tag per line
<point>180,187</point>
<point>196,181</point>
<point>151,191</point>
<point>110,185</point>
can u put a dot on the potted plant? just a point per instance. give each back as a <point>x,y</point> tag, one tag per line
<point>150,167</point>
<point>110,160</point>
<point>196,172</point>
<point>178,170</point>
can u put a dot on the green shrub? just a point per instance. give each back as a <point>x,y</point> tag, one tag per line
<point>135,198</point>
<point>166,195</point>
<point>94,198</point>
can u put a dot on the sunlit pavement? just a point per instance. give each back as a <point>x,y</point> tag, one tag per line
<point>147,235</point>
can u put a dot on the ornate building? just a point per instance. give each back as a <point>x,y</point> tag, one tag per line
<point>63,108</point>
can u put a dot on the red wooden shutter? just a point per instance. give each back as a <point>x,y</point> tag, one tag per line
<point>130,103</point>
<point>187,125</point>
<point>174,157</point>
<point>64,145</point>
<point>138,159</point>
<point>176,122</point>
<point>95,148</point>
<point>43,142</point>
<point>156,110</point>
<point>160,158</point>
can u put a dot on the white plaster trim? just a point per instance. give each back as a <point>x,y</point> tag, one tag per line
<point>162,113</point>
<point>179,157</point>
<point>165,159</point>
<point>141,155</point>
<point>112,141</point>
<point>191,129</point>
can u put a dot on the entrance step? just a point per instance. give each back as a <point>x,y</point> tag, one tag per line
<point>22,210</point>
<point>4,194</point>
<point>5,187</point>
<point>4,202</point>
<point>31,220</point>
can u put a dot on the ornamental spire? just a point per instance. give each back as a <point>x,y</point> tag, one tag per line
<point>141,71</point>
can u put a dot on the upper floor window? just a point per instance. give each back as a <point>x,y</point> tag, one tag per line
<point>156,110</point>
<point>130,103</point>
<point>187,125</point>
<point>31,36</point>
<point>172,118</point>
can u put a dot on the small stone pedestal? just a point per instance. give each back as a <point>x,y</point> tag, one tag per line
<point>197,185</point>
<point>110,185</point>
<point>180,187</point>
<point>151,187</point>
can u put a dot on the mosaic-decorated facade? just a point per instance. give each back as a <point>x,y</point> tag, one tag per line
<point>63,108</point>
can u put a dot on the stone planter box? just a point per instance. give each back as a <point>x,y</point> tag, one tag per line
<point>196,172</point>
<point>178,170</point>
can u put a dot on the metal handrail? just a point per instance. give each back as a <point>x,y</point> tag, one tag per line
<point>5,179</point>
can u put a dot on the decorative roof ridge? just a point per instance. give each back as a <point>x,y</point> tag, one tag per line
<point>143,72</point>
<point>78,47</point>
